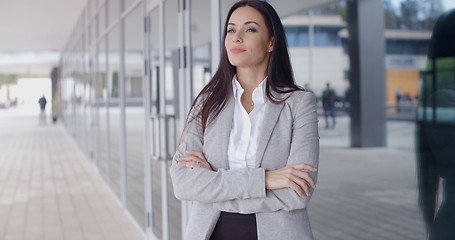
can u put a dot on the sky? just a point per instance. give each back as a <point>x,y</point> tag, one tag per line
<point>448,4</point>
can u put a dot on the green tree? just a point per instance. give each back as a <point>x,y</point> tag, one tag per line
<point>420,14</point>
<point>8,79</point>
<point>392,21</point>
<point>431,10</point>
<point>409,14</point>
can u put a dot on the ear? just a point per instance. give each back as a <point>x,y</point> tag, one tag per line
<point>272,43</point>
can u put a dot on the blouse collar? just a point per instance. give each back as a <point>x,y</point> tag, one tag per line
<point>258,93</point>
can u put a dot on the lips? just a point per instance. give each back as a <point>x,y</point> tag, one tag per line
<point>237,50</point>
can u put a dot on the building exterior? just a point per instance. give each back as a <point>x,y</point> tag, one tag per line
<point>406,55</point>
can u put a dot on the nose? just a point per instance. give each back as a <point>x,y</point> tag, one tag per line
<point>237,37</point>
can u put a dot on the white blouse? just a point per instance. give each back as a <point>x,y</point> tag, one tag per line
<point>246,127</point>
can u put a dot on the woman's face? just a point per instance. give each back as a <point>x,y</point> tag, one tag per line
<point>247,40</point>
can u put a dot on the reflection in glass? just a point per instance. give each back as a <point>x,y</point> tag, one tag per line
<point>79,91</point>
<point>86,96</point>
<point>114,11</point>
<point>114,110</point>
<point>102,19</point>
<point>135,114</point>
<point>102,110</point>
<point>201,45</point>
<point>128,3</point>
<point>436,132</point>
<point>171,78</point>
<point>154,46</point>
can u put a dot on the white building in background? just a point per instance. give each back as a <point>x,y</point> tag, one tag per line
<point>327,59</point>
<point>324,61</point>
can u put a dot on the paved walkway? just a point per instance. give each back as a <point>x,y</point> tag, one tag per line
<point>368,193</point>
<point>49,191</point>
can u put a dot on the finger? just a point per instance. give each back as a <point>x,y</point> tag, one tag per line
<point>294,186</point>
<point>197,154</point>
<point>188,161</point>
<point>187,158</point>
<point>305,176</point>
<point>302,184</point>
<point>301,166</point>
<point>191,164</point>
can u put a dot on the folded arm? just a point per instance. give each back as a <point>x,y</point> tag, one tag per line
<point>304,149</point>
<point>204,185</point>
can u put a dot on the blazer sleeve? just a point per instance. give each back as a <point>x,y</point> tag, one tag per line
<point>304,149</point>
<point>203,185</point>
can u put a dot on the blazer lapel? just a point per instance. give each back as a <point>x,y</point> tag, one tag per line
<point>270,119</point>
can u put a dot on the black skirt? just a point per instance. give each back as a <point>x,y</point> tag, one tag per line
<point>235,226</point>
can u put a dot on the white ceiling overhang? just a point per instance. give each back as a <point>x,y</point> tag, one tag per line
<point>33,32</point>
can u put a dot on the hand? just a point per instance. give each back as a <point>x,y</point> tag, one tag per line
<point>195,159</point>
<point>291,177</point>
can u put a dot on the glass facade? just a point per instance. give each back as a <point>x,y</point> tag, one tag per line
<point>127,69</point>
<point>114,110</point>
<point>135,113</point>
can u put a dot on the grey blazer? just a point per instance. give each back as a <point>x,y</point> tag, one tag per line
<point>289,136</point>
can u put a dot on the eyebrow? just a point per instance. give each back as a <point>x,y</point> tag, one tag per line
<point>247,22</point>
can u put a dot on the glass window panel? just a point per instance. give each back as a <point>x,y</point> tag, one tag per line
<point>201,44</point>
<point>94,26</point>
<point>445,90</point>
<point>128,3</point>
<point>79,108</point>
<point>87,101</point>
<point>135,114</point>
<point>114,10</point>
<point>102,19</point>
<point>102,100</point>
<point>114,110</point>
<point>171,78</point>
<point>88,11</point>
<point>94,5</point>
<point>154,46</point>
<point>89,35</point>
<point>225,5</point>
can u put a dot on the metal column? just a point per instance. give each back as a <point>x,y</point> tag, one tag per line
<point>122,97</point>
<point>162,120</point>
<point>367,51</point>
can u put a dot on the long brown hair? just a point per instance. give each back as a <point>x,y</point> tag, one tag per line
<point>216,93</point>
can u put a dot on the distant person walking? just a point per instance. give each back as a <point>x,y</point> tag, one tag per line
<point>328,103</point>
<point>398,95</point>
<point>42,104</point>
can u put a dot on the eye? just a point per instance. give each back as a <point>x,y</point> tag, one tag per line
<point>251,29</point>
<point>231,30</point>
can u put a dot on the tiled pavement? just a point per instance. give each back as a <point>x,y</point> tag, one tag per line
<point>49,191</point>
<point>368,193</point>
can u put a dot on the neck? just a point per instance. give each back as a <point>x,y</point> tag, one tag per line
<point>249,78</point>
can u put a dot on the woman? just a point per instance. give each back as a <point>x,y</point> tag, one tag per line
<point>248,153</point>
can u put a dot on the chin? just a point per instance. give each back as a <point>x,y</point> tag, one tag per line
<point>237,62</point>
